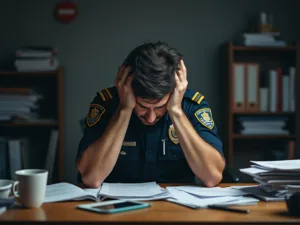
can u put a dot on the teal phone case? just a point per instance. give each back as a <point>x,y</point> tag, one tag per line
<point>129,208</point>
<point>124,209</point>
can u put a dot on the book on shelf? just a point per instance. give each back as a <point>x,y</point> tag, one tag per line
<point>36,58</point>
<point>16,154</point>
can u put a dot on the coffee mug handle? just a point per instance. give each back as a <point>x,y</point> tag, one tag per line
<point>15,193</point>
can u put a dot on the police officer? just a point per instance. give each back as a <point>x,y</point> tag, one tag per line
<point>149,126</point>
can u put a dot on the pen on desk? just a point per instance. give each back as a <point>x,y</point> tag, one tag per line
<point>228,209</point>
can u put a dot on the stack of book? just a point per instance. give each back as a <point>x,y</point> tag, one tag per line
<point>36,58</point>
<point>19,103</point>
<point>263,125</point>
<point>262,39</point>
<point>279,179</point>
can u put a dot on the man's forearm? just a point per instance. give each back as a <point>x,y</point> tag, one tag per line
<point>99,158</point>
<point>206,162</point>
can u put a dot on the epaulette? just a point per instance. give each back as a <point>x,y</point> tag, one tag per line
<point>107,94</point>
<point>194,96</point>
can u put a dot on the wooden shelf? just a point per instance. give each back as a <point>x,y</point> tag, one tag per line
<point>267,57</point>
<point>262,48</point>
<point>50,85</point>
<point>259,136</point>
<point>29,124</point>
<point>28,73</point>
<point>265,113</point>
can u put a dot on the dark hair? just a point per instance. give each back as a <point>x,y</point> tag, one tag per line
<point>153,66</point>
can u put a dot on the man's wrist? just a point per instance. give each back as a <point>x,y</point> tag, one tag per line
<point>123,110</point>
<point>175,112</point>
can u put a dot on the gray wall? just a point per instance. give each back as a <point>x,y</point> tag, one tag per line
<point>92,47</point>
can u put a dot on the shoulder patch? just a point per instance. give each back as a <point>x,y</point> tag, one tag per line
<point>204,116</point>
<point>95,113</point>
<point>105,94</point>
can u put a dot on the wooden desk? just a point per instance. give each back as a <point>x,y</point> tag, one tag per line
<point>160,211</point>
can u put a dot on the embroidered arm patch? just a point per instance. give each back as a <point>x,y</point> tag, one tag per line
<point>204,116</point>
<point>95,113</point>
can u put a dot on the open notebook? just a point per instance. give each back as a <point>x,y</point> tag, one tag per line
<point>139,192</point>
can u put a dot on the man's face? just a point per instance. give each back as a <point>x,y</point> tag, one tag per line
<point>149,111</point>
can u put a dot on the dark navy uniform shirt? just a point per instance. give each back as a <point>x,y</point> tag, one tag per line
<point>157,155</point>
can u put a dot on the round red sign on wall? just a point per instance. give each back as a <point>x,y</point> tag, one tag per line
<point>66,11</point>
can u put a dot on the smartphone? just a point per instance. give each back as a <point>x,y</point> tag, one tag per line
<point>113,206</point>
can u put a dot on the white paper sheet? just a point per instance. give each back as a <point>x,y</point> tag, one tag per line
<point>260,193</point>
<point>192,201</point>
<point>66,191</point>
<point>280,164</point>
<point>252,171</point>
<point>147,189</point>
<point>210,192</point>
<point>164,195</point>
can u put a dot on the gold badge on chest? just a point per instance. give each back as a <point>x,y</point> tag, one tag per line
<point>172,135</point>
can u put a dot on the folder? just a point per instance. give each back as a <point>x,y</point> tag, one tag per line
<point>285,92</point>
<point>292,88</point>
<point>239,87</point>
<point>291,148</point>
<point>279,89</point>
<point>273,90</point>
<point>252,74</point>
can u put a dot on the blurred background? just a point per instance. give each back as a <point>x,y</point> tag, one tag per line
<point>80,56</point>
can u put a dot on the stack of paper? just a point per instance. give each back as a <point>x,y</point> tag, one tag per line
<point>276,179</point>
<point>202,197</point>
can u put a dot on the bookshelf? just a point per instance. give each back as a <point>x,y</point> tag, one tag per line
<point>241,144</point>
<point>36,130</point>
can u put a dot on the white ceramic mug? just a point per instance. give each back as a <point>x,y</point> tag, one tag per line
<point>31,185</point>
<point>5,187</point>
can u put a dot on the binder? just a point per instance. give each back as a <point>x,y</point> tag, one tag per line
<point>273,90</point>
<point>279,89</point>
<point>292,94</point>
<point>239,87</point>
<point>285,92</point>
<point>252,74</point>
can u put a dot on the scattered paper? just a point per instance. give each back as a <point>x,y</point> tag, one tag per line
<point>210,192</point>
<point>66,192</point>
<point>147,189</point>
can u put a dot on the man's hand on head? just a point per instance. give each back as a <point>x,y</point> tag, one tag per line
<point>181,83</point>
<point>123,83</point>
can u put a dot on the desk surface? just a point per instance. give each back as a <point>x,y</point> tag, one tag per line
<point>160,211</point>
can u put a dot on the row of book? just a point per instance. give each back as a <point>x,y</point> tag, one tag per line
<point>16,154</point>
<point>22,103</point>
<point>36,58</point>
<point>262,91</point>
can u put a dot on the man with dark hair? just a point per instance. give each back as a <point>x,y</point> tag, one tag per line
<point>149,126</point>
